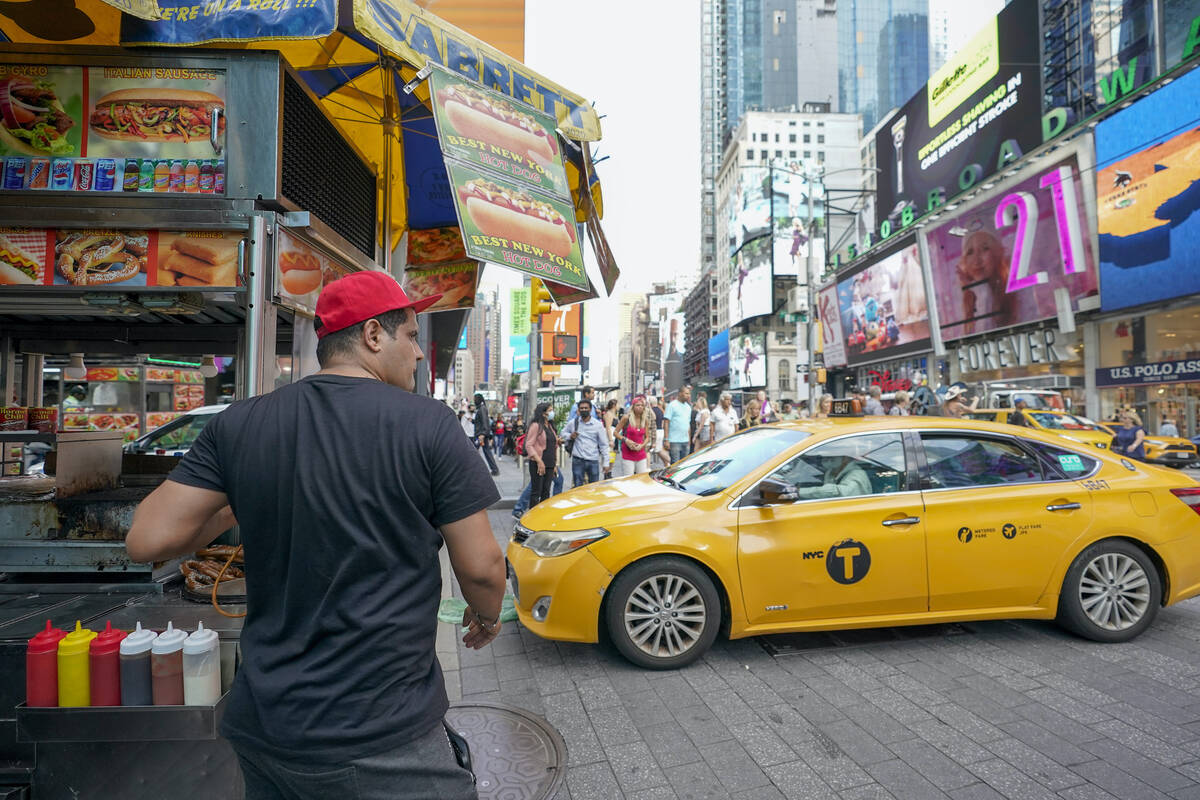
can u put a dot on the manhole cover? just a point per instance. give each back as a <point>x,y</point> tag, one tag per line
<point>516,755</point>
<point>790,643</point>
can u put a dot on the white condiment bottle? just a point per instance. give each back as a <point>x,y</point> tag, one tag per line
<point>201,668</point>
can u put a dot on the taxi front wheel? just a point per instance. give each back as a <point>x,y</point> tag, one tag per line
<point>1111,593</point>
<point>663,613</point>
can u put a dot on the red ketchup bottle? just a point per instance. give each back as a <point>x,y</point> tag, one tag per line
<point>41,668</point>
<point>104,666</point>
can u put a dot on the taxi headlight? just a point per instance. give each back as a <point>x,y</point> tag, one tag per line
<point>1155,442</point>
<point>548,544</point>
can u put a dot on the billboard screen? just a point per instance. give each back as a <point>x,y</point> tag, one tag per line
<point>751,282</point>
<point>1147,196</point>
<point>718,355</point>
<point>1000,263</point>
<point>985,95</point>
<point>833,344</point>
<point>882,307</point>
<point>749,206</point>
<point>791,194</point>
<point>747,360</point>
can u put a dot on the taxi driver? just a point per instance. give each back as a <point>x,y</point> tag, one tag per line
<point>843,477</point>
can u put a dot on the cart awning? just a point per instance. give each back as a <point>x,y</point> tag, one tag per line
<point>356,56</point>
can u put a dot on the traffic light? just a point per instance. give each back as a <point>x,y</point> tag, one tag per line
<point>539,300</point>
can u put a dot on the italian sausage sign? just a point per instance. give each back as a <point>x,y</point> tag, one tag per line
<point>506,224</point>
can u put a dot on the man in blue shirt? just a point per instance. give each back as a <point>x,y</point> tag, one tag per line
<point>677,424</point>
<point>591,445</point>
<point>586,393</point>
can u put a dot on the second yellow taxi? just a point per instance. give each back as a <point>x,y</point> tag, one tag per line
<point>857,523</point>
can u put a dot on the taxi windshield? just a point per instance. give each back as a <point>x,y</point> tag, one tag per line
<point>716,468</point>
<point>1062,422</point>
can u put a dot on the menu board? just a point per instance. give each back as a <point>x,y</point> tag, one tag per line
<point>89,258</point>
<point>455,282</point>
<point>112,129</point>
<point>491,130</point>
<point>504,223</point>
<point>301,271</point>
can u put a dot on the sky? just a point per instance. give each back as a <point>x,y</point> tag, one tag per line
<point>639,65</point>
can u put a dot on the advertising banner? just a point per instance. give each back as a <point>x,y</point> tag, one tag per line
<point>981,110</point>
<point>718,355</point>
<point>829,314</point>
<point>456,283</point>
<point>192,22</point>
<point>507,225</point>
<point>488,130</point>
<point>122,259</point>
<point>882,307</point>
<point>112,129</point>
<point>751,286</point>
<point>747,360</point>
<point>520,358</point>
<point>433,246</point>
<point>302,271</point>
<point>1001,263</point>
<point>1148,195</point>
<point>518,312</point>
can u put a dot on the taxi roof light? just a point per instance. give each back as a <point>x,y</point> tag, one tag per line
<point>1190,496</point>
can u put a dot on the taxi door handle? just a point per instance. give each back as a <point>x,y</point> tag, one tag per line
<point>1063,507</point>
<point>902,521</point>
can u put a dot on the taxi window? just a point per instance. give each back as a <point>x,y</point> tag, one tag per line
<point>855,466</point>
<point>181,435</point>
<point>1062,463</point>
<point>714,469</point>
<point>962,460</point>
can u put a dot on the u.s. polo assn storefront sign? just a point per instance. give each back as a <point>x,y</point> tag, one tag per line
<point>1180,371</point>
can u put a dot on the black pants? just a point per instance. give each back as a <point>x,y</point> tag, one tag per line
<point>539,485</point>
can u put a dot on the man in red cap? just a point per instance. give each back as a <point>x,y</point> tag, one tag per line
<point>345,485</point>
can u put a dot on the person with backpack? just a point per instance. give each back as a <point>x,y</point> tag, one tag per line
<point>483,430</point>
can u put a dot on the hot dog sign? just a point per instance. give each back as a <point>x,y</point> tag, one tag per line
<point>487,129</point>
<point>507,224</point>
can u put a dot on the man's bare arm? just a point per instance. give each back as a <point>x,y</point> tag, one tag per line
<point>479,566</point>
<point>176,520</point>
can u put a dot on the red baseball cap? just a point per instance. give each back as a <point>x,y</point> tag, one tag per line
<point>360,296</point>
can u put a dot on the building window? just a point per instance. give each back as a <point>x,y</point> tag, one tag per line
<point>820,156</point>
<point>754,137</point>
<point>785,373</point>
<point>808,153</point>
<point>807,123</point>
<point>807,139</point>
<point>821,138</point>
<point>791,123</point>
<point>779,154</point>
<point>791,153</point>
<point>749,155</point>
<point>792,138</point>
<point>777,137</point>
<point>762,154</point>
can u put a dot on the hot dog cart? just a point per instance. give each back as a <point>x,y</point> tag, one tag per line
<point>186,204</point>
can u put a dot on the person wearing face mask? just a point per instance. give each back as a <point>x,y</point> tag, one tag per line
<point>590,449</point>
<point>346,485</point>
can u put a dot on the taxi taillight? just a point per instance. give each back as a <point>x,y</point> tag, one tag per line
<point>1189,496</point>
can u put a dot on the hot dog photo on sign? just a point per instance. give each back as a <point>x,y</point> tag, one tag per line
<point>509,225</point>
<point>491,130</point>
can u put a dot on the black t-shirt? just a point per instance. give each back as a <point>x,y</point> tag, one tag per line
<point>658,417</point>
<point>339,486</point>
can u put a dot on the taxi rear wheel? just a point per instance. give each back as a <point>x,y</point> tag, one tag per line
<point>1111,593</point>
<point>663,613</point>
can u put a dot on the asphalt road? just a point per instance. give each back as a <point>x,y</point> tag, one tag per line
<point>988,710</point>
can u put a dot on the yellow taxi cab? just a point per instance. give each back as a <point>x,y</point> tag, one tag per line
<point>1062,423</point>
<point>1172,451</point>
<point>857,523</point>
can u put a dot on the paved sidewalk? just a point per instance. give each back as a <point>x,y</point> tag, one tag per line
<point>1008,710</point>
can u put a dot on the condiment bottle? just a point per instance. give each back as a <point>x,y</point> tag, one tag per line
<point>73,685</point>
<point>104,666</point>
<point>166,667</point>
<point>135,668</point>
<point>41,668</point>
<point>201,668</point>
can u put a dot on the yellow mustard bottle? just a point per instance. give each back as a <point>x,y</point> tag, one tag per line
<point>74,688</point>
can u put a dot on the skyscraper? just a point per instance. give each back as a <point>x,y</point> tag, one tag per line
<point>883,54</point>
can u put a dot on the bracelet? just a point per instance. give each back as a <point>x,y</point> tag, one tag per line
<point>490,627</point>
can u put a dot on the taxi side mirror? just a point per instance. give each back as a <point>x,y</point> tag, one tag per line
<point>773,491</point>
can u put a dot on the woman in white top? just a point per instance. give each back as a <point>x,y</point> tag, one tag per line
<point>724,418</point>
<point>704,426</point>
